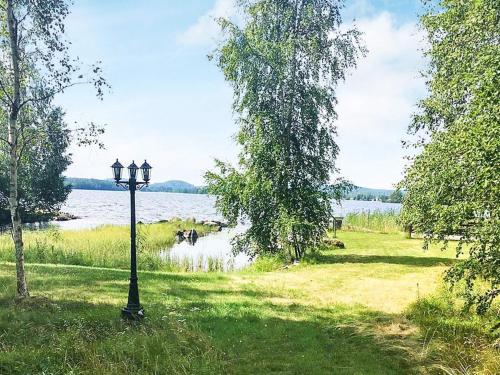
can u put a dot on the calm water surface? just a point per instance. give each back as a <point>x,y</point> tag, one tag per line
<point>215,247</point>
<point>96,208</point>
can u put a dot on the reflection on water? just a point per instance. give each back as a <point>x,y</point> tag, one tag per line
<point>209,253</point>
<point>4,229</point>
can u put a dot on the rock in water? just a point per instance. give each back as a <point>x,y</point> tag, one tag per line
<point>191,234</point>
<point>215,223</point>
<point>179,236</point>
<point>64,216</point>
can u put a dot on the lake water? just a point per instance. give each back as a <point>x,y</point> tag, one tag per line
<point>212,252</point>
<point>96,208</point>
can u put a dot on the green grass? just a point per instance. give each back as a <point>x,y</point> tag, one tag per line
<point>458,341</point>
<point>361,310</point>
<point>104,246</point>
<point>381,222</point>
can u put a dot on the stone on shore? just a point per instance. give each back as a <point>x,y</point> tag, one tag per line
<point>64,216</point>
<point>334,243</point>
<point>215,223</point>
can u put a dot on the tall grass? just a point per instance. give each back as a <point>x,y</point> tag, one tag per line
<point>461,341</point>
<point>104,246</point>
<point>376,221</point>
<point>196,263</point>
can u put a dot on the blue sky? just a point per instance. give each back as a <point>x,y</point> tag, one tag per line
<point>169,104</point>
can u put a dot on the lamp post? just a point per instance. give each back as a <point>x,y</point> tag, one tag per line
<point>133,310</point>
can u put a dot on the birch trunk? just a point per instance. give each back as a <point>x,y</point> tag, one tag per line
<point>17,232</point>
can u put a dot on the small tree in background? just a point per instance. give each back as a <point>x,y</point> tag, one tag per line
<point>284,66</point>
<point>453,185</point>
<point>42,190</point>
<point>34,67</point>
<point>395,197</point>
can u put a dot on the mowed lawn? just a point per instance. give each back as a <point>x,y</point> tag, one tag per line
<point>341,312</point>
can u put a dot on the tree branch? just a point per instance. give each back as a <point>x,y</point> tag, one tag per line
<point>21,20</point>
<point>25,143</point>
<point>52,94</point>
<point>4,140</point>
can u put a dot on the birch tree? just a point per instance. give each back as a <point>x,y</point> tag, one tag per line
<point>284,66</point>
<point>35,66</point>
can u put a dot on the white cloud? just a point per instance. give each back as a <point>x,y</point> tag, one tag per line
<point>205,30</point>
<point>377,101</point>
<point>175,109</point>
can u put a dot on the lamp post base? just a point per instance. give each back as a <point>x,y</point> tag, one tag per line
<point>133,313</point>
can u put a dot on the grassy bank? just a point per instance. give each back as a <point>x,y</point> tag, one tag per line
<point>380,222</point>
<point>362,310</point>
<point>104,246</point>
<point>458,341</point>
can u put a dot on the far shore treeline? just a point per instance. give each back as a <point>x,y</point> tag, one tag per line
<point>179,186</point>
<point>172,186</point>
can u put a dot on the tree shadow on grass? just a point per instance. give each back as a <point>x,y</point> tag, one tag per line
<point>302,340</point>
<point>49,335</point>
<point>370,259</point>
<point>82,282</point>
<point>341,340</point>
<point>254,334</point>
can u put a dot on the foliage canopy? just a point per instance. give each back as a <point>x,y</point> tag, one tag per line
<point>453,185</point>
<point>284,65</point>
<point>42,188</point>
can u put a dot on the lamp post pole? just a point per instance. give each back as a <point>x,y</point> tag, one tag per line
<point>133,310</point>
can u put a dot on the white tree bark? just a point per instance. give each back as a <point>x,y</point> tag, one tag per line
<point>17,232</point>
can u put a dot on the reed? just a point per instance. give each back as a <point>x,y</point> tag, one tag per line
<point>376,221</point>
<point>104,246</point>
<point>196,264</point>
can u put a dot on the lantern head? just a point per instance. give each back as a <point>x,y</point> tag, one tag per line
<point>117,168</point>
<point>146,171</point>
<point>132,170</point>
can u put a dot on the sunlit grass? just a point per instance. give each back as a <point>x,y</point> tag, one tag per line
<point>104,246</point>
<point>375,307</point>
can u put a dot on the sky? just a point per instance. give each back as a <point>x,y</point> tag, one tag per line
<point>170,105</point>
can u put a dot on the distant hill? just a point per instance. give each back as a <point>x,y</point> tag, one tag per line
<point>174,186</point>
<point>91,184</point>
<point>179,186</point>
<point>367,194</point>
<point>364,190</point>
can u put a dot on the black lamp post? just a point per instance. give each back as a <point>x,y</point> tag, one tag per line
<point>133,310</point>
